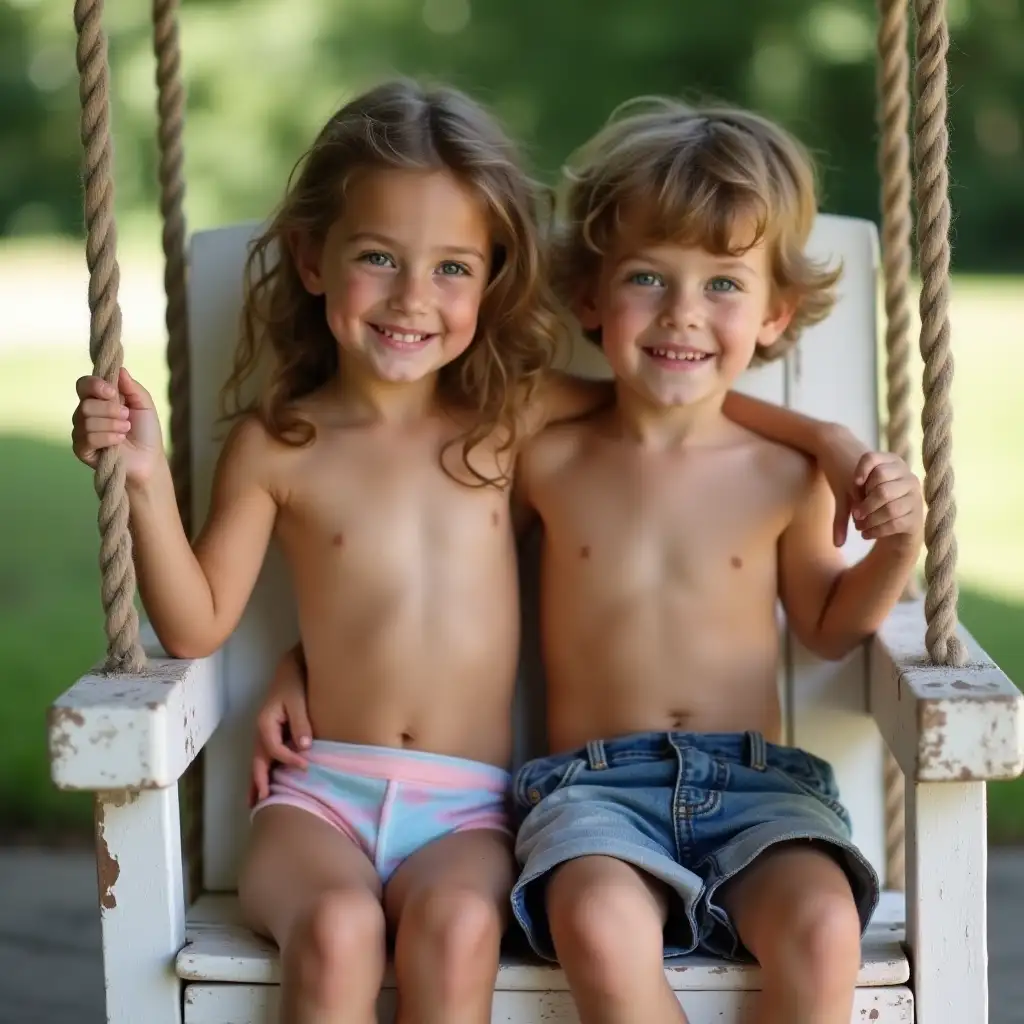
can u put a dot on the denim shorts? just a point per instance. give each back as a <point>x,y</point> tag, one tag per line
<point>690,809</point>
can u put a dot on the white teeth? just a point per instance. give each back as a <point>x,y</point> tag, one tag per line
<point>404,338</point>
<point>672,354</point>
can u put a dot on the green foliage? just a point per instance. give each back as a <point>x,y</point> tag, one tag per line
<point>263,74</point>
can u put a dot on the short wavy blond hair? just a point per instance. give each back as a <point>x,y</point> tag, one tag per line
<point>676,173</point>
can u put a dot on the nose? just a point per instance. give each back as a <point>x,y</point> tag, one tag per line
<point>683,309</point>
<point>411,293</point>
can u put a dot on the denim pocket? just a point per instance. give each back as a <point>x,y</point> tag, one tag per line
<point>540,778</point>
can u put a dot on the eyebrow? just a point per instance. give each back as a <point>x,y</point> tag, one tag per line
<point>730,264</point>
<point>391,243</point>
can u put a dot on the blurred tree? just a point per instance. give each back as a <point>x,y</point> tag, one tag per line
<point>263,74</point>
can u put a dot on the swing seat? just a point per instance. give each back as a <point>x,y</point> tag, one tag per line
<point>130,740</point>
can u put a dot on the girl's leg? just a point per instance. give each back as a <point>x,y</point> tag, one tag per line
<point>312,890</point>
<point>448,904</point>
<point>607,922</point>
<point>794,910</point>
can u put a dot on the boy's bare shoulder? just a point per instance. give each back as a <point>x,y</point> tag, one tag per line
<point>784,471</point>
<point>553,450</point>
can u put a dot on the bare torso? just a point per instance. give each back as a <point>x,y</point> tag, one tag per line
<point>406,587</point>
<point>659,579</point>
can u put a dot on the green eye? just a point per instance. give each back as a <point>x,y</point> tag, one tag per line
<point>377,259</point>
<point>646,279</point>
<point>452,269</point>
<point>723,284</point>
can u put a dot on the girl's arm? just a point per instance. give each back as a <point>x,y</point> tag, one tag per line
<point>837,450</point>
<point>194,598</point>
<point>833,607</point>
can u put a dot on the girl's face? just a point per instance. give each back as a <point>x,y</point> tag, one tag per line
<point>403,272</point>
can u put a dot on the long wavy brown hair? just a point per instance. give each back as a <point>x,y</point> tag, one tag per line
<point>402,124</point>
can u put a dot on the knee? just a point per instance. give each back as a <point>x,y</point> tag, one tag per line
<point>604,934</point>
<point>460,927</point>
<point>336,943</point>
<point>821,946</point>
<point>459,931</point>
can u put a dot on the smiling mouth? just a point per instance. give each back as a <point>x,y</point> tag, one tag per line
<point>678,358</point>
<point>403,340</point>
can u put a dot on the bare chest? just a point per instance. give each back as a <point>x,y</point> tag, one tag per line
<point>651,521</point>
<point>363,503</point>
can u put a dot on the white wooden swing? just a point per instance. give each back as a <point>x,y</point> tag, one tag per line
<point>138,731</point>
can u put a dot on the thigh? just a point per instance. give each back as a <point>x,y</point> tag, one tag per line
<point>597,889</point>
<point>783,890</point>
<point>293,858</point>
<point>475,866</point>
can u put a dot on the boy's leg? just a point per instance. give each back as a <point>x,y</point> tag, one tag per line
<point>448,904</point>
<point>607,920</point>
<point>794,910</point>
<point>312,890</point>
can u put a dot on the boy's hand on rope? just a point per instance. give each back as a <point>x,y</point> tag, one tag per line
<point>126,417</point>
<point>892,504</point>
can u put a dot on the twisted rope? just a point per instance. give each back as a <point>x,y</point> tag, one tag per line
<point>893,116</point>
<point>171,122</point>
<point>124,651</point>
<point>931,145</point>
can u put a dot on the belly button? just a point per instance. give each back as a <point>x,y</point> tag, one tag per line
<point>407,738</point>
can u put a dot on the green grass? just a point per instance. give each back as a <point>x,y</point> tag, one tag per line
<point>50,618</point>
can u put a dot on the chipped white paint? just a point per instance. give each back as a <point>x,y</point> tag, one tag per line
<point>944,724</point>
<point>259,1004</point>
<point>141,732</point>
<point>947,864</point>
<point>219,949</point>
<point>142,904</point>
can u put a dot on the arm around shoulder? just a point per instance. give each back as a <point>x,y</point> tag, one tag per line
<point>833,607</point>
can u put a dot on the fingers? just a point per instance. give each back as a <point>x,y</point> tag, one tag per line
<point>270,725</point>
<point>135,395</point>
<point>841,522</point>
<point>900,525</point>
<point>298,722</point>
<point>259,788</point>
<point>897,509</point>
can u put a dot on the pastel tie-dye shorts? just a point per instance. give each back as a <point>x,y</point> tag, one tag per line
<point>390,802</point>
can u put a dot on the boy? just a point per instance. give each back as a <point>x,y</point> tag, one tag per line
<point>667,819</point>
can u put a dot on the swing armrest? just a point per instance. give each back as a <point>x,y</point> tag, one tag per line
<point>135,732</point>
<point>943,724</point>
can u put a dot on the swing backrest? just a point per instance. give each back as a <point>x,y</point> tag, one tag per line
<point>831,374</point>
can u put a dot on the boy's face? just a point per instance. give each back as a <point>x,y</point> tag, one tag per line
<point>680,324</point>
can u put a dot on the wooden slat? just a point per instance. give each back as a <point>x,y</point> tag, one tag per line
<point>220,949</point>
<point>141,732</point>
<point>259,1004</point>
<point>943,724</point>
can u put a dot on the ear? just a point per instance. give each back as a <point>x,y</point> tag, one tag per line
<point>587,313</point>
<point>780,315</point>
<point>307,255</point>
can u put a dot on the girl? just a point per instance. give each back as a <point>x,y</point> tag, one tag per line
<point>411,330</point>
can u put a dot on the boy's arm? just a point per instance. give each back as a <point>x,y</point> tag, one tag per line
<point>831,607</point>
<point>838,451</point>
<point>195,597</point>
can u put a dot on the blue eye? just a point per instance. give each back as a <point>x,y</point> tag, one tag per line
<point>723,284</point>
<point>646,279</point>
<point>452,269</point>
<point>377,259</point>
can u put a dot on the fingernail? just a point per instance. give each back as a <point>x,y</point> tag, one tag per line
<point>303,741</point>
<point>123,412</point>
